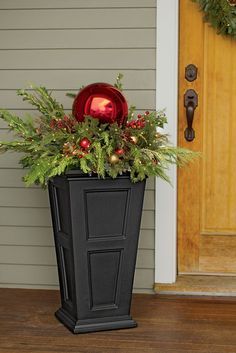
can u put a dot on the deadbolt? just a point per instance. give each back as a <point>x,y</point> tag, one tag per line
<point>191,72</point>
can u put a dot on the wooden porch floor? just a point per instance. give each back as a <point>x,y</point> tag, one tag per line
<point>167,324</point>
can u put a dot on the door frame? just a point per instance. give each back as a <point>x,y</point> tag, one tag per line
<point>167,51</point>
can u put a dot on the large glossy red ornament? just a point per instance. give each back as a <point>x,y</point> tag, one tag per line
<point>101,101</point>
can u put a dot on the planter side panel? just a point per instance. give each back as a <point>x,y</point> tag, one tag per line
<point>61,219</point>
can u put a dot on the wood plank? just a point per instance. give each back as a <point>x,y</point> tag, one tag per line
<point>44,4</point>
<point>78,18</point>
<point>200,285</point>
<point>141,99</point>
<point>73,79</point>
<point>76,39</point>
<point>166,325</point>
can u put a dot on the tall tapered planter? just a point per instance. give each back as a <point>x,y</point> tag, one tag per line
<point>96,227</point>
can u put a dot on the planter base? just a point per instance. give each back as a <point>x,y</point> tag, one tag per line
<point>93,325</point>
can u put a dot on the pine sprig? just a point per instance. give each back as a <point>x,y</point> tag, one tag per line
<point>42,99</point>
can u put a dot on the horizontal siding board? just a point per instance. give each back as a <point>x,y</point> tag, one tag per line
<point>77,18</point>
<point>44,4</point>
<point>146,239</point>
<point>34,255</point>
<point>149,200</point>
<point>150,183</point>
<point>37,236</point>
<point>10,160</point>
<point>141,99</point>
<point>27,255</point>
<point>74,79</point>
<point>26,236</point>
<point>148,220</point>
<point>36,197</point>
<point>13,179</point>
<point>144,278</point>
<point>40,217</point>
<point>74,38</point>
<point>37,217</point>
<point>23,197</point>
<point>47,275</point>
<point>28,274</point>
<point>116,59</point>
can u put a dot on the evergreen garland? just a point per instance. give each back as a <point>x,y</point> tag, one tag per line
<point>56,142</point>
<point>221,14</point>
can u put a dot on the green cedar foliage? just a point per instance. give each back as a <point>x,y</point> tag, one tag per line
<point>220,14</point>
<point>51,144</point>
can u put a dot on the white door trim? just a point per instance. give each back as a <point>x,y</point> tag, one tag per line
<point>167,97</point>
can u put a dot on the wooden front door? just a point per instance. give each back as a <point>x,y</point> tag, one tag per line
<point>207,189</point>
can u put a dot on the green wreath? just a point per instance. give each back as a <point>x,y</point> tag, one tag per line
<point>221,14</point>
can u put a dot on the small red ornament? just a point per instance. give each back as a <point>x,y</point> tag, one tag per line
<point>101,101</point>
<point>85,143</point>
<point>119,151</point>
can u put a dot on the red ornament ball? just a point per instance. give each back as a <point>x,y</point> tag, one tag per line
<point>101,101</point>
<point>85,143</point>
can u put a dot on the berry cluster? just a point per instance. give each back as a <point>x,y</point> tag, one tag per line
<point>73,150</point>
<point>138,123</point>
<point>67,124</point>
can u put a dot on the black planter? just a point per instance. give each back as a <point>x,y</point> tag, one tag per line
<point>96,228</point>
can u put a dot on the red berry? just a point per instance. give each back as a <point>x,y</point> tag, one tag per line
<point>60,124</point>
<point>85,143</point>
<point>139,116</point>
<point>147,112</point>
<point>119,151</point>
<point>52,123</point>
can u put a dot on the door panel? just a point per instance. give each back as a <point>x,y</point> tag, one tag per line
<point>207,189</point>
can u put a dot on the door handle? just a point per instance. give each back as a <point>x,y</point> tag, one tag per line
<point>190,103</point>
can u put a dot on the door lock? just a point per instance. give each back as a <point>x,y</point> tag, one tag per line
<point>191,72</point>
<point>190,103</point>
